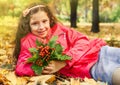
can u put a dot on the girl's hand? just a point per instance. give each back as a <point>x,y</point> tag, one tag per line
<point>53,67</point>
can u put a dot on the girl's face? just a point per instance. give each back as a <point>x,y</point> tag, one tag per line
<point>40,24</point>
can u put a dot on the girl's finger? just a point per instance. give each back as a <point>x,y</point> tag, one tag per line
<point>49,68</point>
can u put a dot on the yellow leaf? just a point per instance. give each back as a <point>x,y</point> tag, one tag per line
<point>41,79</point>
<point>2,51</point>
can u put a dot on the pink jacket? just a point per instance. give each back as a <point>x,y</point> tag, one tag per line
<point>84,52</point>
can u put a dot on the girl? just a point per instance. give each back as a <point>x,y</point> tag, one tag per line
<point>90,58</point>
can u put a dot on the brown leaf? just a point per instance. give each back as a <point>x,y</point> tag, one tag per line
<point>12,77</point>
<point>15,80</point>
<point>41,79</point>
<point>4,80</point>
<point>2,51</point>
<point>90,81</point>
<point>74,81</point>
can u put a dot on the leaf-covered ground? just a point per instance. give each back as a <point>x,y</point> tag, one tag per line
<point>110,32</point>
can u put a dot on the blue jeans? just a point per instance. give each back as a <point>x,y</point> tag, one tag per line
<point>109,60</point>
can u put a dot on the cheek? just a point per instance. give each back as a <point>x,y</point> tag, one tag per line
<point>48,29</point>
<point>48,24</point>
<point>32,31</point>
<point>34,27</point>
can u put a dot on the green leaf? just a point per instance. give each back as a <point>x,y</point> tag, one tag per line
<point>61,57</point>
<point>33,50</point>
<point>33,58</point>
<point>38,43</point>
<point>65,57</point>
<point>37,69</point>
<point>45,63</point>
<point>58,48</point>
<point>52,41</point>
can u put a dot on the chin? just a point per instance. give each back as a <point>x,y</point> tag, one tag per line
<point>42,36</point>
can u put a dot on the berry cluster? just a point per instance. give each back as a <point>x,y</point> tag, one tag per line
<point>39,62</point>
<point>44,52</point>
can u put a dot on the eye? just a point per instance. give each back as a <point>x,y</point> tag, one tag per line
<point>44,21</point>
<point>34,23</point>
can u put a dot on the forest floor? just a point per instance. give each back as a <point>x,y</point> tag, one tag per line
<point>110,32</point>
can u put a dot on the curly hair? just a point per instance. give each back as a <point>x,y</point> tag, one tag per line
<point>24,27</point>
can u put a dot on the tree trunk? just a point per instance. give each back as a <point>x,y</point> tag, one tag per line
<point>95,17</point>
<point>73,13</point>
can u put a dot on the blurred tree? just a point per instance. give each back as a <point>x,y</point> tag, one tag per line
<point>62,9</point>
<point>109,10</point>
<point>46,1</point>
<point>73,13</point>
<point>12,7</point>
<point>4,7</point>
<point>86,10</point>
<point>95,17</point>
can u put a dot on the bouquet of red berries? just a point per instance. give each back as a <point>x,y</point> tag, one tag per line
<point>44,53</point>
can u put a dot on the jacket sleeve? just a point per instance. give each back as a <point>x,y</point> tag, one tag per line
<point>23,68</point>
<point>78,45</point>
<point>82,50</point>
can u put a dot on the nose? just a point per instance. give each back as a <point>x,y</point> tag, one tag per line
<point>41,26</point>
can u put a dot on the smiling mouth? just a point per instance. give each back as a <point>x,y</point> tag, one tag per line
<point>41,32</point>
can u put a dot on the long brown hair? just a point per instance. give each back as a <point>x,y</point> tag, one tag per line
<point>24,27</point>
